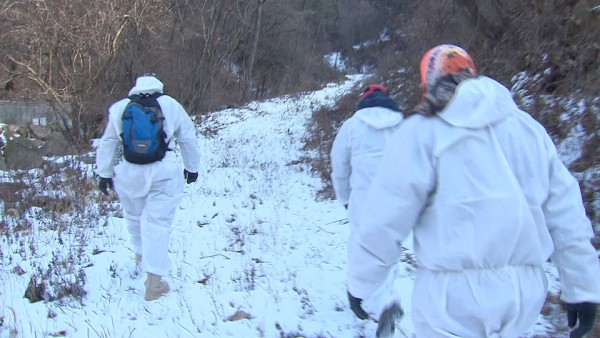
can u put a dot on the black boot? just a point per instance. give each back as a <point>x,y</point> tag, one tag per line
<point>356,307</point>
<point>387,322</point>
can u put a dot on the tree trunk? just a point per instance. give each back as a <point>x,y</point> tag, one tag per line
<point>252,56</point>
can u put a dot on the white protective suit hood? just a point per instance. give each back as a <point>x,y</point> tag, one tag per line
<point>486,100</point>
<point>379,117</point>
<point>146,84</point>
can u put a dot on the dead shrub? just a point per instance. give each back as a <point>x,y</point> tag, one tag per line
<point>61,279</point>
<point>53,199</point>
<point>36,290</point>
<point>10,194</point>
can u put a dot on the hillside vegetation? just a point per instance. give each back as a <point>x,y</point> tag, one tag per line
<point>220,53</point>
<point>547,52</point>
<point>209,53</point>
<point>212,54</point>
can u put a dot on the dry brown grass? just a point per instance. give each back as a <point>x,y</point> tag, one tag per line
<point>596,330</point>
<point>556,41</point>
<point>55,198</point>
<point>546,39</point>
<point>324,124</point>
<point>11,196</point>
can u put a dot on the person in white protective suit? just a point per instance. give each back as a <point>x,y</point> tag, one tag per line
<point>150,193</point>
<point>355,154</point>
<point>479,183</point>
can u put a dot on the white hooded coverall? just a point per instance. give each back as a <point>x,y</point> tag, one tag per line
<point>488,201</point>
<point>355,154</point>
<point>150,193</point>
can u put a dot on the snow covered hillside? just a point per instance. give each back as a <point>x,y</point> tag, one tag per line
<point>253,254</point>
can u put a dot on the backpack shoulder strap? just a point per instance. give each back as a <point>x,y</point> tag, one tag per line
<point>135,98</point>
<point>147,100</point>
<point>156,95</point>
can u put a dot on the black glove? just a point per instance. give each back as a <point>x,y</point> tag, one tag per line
<point>387,323</point>
<point>585,314</point>
<point>105,184</point>
<point>356,307</point>
<point>190,177</point>
<point>346,206</point>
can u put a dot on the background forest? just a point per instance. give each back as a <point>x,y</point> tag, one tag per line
<point>81,57</point>
<point>211,54</point>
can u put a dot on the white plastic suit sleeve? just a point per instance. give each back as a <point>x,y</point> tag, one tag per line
<point>394,203</point>
<point>571,231</point>
<point>106,154</point>
<point>340,164</point>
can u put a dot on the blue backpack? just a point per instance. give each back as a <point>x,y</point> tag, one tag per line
<point>144,140</point>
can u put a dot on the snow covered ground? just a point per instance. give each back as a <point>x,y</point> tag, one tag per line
<point>253,253</point>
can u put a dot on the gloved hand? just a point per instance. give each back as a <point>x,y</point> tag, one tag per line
<point>585,314</point>
<point>346,206</point>
<point>356,307</point>
<point>104,184</point>
<point>190,177</point>
<point>386,326</point>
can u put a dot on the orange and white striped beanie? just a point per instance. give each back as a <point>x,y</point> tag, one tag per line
<point>442,69</point>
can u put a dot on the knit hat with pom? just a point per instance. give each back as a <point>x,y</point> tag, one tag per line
<point>376,95</point>
<point>442,69</point>
<point>372,88</point>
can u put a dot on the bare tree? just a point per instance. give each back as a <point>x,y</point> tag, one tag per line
<point>82,56</point>
<point>252,56</point>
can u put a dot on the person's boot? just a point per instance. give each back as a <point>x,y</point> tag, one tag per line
<point>155,287</point>
<point>387,323</point>
<point>356,307</point>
